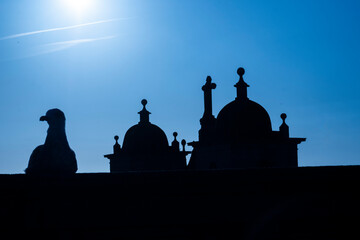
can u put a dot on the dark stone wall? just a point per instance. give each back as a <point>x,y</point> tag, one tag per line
<point>292,203</point>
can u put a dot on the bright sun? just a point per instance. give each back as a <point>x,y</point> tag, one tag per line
<point>79,7</point>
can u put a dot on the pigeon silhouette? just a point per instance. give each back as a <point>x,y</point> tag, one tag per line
<point>55,157</point>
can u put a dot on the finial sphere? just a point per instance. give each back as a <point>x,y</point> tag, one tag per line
<point>144,102</point>
<point>283,116</point>
<point>175,134</point>
<point>208,79</point>
<point>116,137</point>
<point>240,71</point>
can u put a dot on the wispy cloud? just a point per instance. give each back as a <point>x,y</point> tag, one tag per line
<point>60,28</point>
<point>53,47</point>
<point>58,46</point>
<point>78,41</point>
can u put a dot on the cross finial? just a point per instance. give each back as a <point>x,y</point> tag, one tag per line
<point>241,85</point>
<point>207,88</point>
<point>208,85</point>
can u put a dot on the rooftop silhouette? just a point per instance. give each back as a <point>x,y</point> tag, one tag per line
<point>240,136</point>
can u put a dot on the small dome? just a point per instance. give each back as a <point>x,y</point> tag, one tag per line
<point>240,120</point>
<point>145,137</point>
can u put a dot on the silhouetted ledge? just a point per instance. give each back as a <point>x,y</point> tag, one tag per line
<point>278,203</point>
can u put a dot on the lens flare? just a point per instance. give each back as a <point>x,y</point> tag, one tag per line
<point>79,7</point>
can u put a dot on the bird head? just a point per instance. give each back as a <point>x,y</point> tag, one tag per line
<point>55,118</point>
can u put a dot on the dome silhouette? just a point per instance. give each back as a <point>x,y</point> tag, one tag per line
<point>241,135</point>
<point>242,120</point>
<point>145,138</point>
<point>146,148</point>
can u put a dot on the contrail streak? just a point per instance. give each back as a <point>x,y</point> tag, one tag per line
<point>78,41</point>
<point>59,46</point>
<point>56,47</point>
<point>60,28</point>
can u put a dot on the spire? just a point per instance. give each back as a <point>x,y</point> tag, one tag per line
<point>284,128</point>
<point>144,114</point>
<point>241,85</point>
<point>207,121</point>
<point>207,88</point>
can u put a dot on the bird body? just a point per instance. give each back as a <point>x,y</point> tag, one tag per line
<point>55,156</point>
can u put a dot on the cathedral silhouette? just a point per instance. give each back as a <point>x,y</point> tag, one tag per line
<point>240,137</point>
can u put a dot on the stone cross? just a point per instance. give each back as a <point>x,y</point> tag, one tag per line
<point>207,88</point>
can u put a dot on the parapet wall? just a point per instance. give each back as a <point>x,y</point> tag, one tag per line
<point>292,203</point>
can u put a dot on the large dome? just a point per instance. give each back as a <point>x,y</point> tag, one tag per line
<point>240,120</point>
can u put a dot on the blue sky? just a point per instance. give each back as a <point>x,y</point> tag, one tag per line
<point>96,63</point>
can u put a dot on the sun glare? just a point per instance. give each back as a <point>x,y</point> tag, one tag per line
<point>79,7</point>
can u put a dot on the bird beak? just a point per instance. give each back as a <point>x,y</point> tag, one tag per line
<point>43,118</point>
